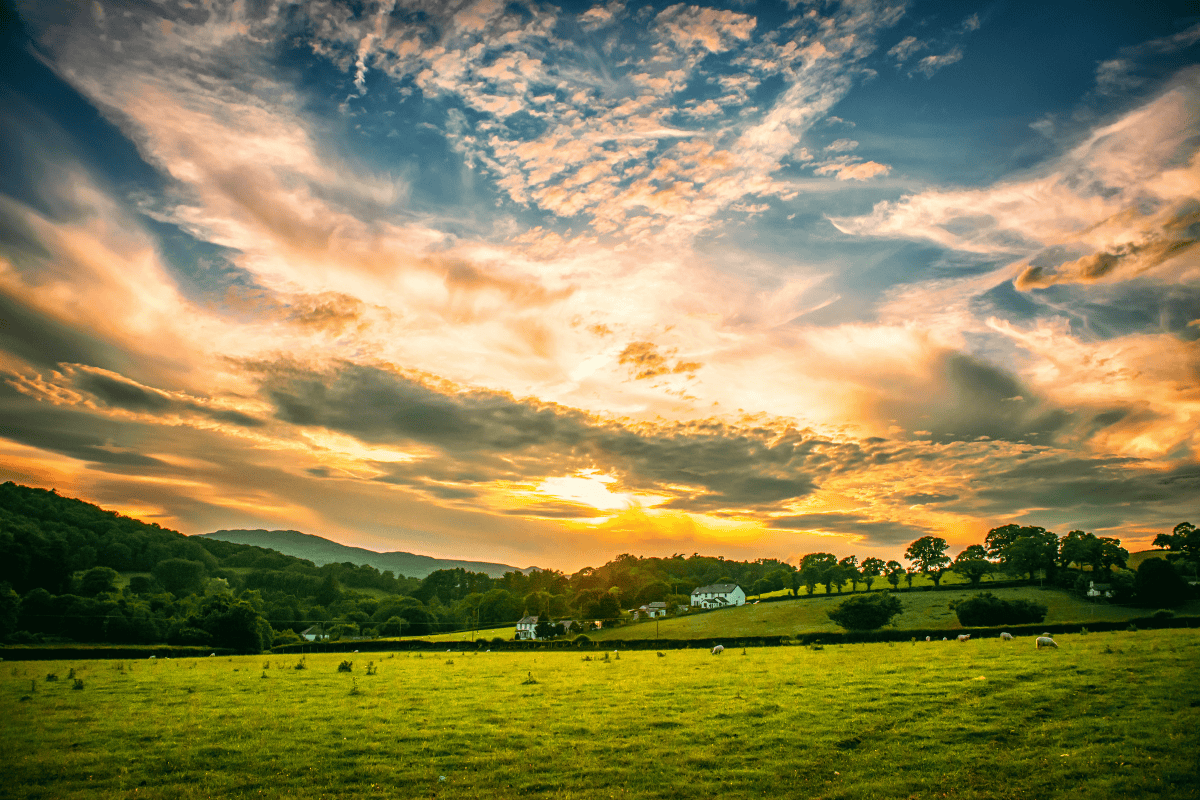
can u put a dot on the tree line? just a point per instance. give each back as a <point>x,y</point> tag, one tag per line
<point>62,562</point>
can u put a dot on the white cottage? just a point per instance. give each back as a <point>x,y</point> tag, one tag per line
<point>718,595</point>
<point>527,628</point>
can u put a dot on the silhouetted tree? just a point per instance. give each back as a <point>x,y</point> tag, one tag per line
<point>928,554</point>
<point>972,564</point>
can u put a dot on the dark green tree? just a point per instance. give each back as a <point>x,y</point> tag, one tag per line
<point>1023,549</point>
<point>928,554</point>
<point>972,564</point>
<point>1158,585</point>
<point>98,580</point>
<point>850,571</point>
<point>10,604</point>
<point>871,569</point>
<point>895,573</point>
<point>180,576</point>
<point>866,612</point>
<point>818,568</point>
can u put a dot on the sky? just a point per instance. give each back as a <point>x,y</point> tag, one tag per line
<point>545,283</point>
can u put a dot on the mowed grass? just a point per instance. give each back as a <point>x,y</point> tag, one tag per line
<point>1106,715</point>
<point>921,610</point>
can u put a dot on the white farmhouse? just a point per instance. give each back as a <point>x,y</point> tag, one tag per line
<point>527,628</point>
<point>1100,589</point>
<point>718,595</point>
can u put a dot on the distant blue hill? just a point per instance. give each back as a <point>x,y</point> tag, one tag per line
<point>322,551</point>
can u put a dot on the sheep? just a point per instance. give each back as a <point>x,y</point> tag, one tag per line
<point>1044,641</point>
<point>1006,636</point>
<point>928,639</point>
<point>153,658</point>
<point>963,637</point>
<point>716,651</point>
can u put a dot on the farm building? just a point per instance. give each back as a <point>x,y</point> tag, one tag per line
<point>527,628</point>
<point>315,633</point>
<point>718,595</point>
<point>1099,589</point>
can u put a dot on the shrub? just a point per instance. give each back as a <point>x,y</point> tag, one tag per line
<point>583,639</point>
<point>1158,584</point>
<point>866,612</point>
<point>346,666</point>
<point>286,636</point>
<point>986,609</point>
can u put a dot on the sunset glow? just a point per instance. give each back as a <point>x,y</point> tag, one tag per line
<point>542,283</point>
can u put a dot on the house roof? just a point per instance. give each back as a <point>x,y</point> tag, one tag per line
<point>658,605</point>
<point>527,621</point>
<point>715,588</point>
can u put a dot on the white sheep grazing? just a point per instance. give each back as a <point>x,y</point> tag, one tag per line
<point>716,651</point>
<point>927,638</point>
<point>1006,636</point>
<point>1044,641</point>
<point>962,637</point>
<point>153,658</point>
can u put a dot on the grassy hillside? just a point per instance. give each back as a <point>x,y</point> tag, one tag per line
<point>921,610</point>
<point>986,720</point>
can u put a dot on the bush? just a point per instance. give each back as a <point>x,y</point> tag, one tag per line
<point>1158,584</point>
<point>583,639</point>
<point>286,636</point>
<point>346,666</point>
<point>986,609</point>
<point>866,612</point>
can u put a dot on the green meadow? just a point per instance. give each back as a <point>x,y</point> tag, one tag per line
<point>1105,715</point>
<point>922,610</point>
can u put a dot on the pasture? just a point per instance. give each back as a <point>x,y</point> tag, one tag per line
<point>921,610</point>
<point>1106,715</point>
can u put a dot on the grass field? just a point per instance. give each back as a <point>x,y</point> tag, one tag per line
<point>1106,715</point>
<point>921,610</point>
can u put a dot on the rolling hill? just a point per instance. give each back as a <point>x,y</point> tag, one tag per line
<point>322,551</point>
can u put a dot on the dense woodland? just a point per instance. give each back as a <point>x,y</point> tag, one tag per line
<point>70,571</point>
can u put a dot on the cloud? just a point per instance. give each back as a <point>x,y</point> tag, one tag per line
<point>905,48</point>
<point>1119,75</point>
<point>931,64</point>
<point>1164,237</point>
<point>469,438</point>
<point>853,171</point>
<point>863,530</point>
<point>645,361</point>
<point>1145,158</point>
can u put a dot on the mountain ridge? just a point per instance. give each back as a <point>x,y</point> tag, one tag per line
<point>321,551</point>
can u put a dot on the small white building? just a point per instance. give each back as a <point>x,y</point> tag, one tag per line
<point>315,633</point>
<point>1099,589</point>
<point>718,595</point>
<point>527,628</point>
<point>657,610</point>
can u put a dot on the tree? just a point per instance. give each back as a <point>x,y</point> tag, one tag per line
<point>1023,550</point>
<point>928,554</point>
<point>816,568</point>
<point>1185,538</point>
<point>1158,585</point>
<point>1078,547</point>
<point>972,564</point>
<point>894,573</point>
<point>871,569</point>
<point>866,612</point>
<point>179,576</point>
<point>546,628</point>
<point>98,580</point>
<point>850,570</point>
<point>987,609</point>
